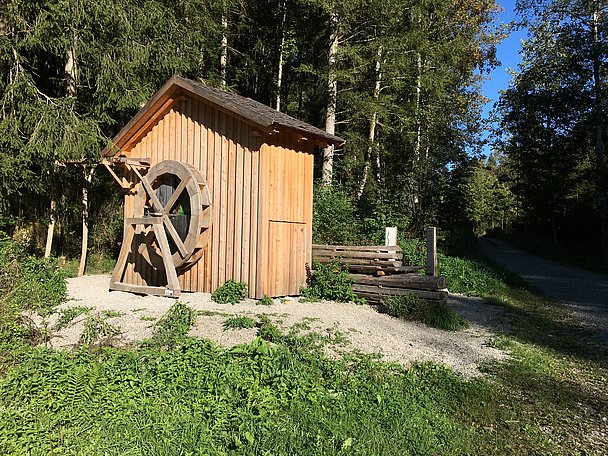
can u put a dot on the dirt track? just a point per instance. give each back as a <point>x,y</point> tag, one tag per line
<point>583,292</point>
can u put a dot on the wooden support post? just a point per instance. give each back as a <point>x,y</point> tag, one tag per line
<point>390,236</point>
<point>51,228</point>
<point>88,178</point>
<point>431,251</point>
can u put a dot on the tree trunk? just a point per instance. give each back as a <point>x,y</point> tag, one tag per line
<point>372,130</point>
<point>71,70</point>
<point>602,172</point>
<point>281,57</point>
<point>50,232</point>
<point>224,48</point>
<point>332,96</point>
<point>417,110</point>
<point>88,177</point>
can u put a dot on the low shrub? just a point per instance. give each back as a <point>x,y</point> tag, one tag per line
<point>231,292</point>
<point>174,325</point>
<point>266,301</point>
<point>330,282</point>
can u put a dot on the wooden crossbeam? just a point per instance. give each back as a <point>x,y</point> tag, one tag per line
<point>173,289</point>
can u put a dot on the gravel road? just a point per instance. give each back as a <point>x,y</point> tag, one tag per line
<point>366,329</point>
<point>583,292</point>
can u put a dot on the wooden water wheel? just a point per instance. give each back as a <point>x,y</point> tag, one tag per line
<point>173,208</point>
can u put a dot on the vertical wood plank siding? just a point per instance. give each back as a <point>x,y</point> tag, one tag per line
<point>261,193</point>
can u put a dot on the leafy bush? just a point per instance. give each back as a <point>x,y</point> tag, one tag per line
<point>441,316</point>
<point>330,282</point>
<point>239,323</point>
<point>29,282</point>
<point>266,301</point>
<point>231,292</point>
<point>174,325</point>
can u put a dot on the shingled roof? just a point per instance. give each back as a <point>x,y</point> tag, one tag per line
<point>257,113</point>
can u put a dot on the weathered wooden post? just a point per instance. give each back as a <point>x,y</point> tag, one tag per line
<point>431,251</point>
<point>390,235</point>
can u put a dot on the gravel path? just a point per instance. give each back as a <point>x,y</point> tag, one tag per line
<point>366,329</point>
<point>583,292</point>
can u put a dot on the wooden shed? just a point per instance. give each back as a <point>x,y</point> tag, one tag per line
<point>237,171</point>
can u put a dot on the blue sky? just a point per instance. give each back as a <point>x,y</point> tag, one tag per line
<point>508,55</point>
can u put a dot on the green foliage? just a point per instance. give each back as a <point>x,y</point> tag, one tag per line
<point>97,330</point>
<point>267,330</point>
<point>411,306</point>
<point>433,314</point>
<point>330,282</point>
<point>240,322</point>
<point>251,399</point>
<point>335,217</point>
<point>111,314</point>
<point>29,282</point>
<point>443,317</point>
<point>26,283</point>
<point>66,316</point>
<point>231,292</point>
<point>172,327</point>
<point>266,301</point>
<point>467,276</point>
<point>490,203</point>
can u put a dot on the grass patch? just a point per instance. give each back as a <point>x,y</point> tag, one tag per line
<point>111,314</point>
<point>147,318</point>
<point>441,316</point>
<point>96,264</point>
<point>433,314</point>
<point>240,322</point>
<point>211,313</point>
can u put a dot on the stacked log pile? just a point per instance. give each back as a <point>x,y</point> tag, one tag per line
<point>378,272</point>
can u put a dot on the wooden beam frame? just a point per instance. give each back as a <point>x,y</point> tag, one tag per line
<point>172,290</point>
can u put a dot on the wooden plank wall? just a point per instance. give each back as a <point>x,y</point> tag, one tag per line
<point>261,198</point>
<point>288,188</point>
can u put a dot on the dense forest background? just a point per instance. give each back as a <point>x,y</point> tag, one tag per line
<point>400,80</point>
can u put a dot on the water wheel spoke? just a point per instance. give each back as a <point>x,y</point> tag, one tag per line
<point>156,204</point>
<point>176,194</point>
<point>175,236</point>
